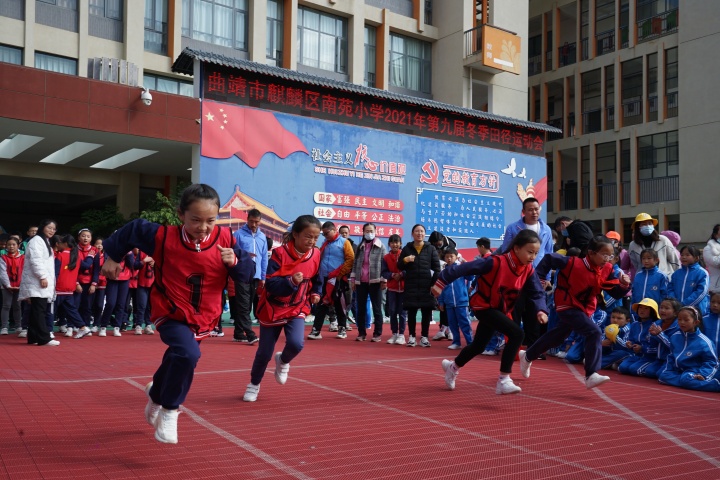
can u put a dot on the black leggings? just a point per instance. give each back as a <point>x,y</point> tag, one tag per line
<point>489,321</point>
<point>426,316</point>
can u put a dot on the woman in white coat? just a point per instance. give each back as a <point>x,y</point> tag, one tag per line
<point>38,283</point>
<point>711,255</point>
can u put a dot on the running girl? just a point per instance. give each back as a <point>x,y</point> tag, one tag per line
<point>191,268</point>
<point>291,285</point>
<point>579,281</point>
<point>499,280</point>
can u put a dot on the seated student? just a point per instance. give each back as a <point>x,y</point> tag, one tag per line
<point>644,352</point>
<point>616,350</point>
<point>692,362</point>
<point>576,353</point>
<point>710,322</point>
<point>660,333</point>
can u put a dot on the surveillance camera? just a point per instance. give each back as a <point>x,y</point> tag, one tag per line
<point>145,96</point>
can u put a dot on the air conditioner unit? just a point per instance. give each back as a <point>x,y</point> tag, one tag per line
<point>113,70</point>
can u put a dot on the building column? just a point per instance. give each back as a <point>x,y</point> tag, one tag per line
<point>578,33</point>
<point>578,102</point>
<point>356,29</point>
<point>531,98</point>
<point>632,25</point>
<point>290,22</point>
<point>578,176</point>
<point>543,60</point>
<point>557,181</point>
<point>556,36</point>
<point>257,26</point>
<point>134,34</point>
<point>128,196</point>
<point>592,193</point>
<point>382,49</point>
<point>83,37</point>
<point>592,42</point>
<point>543,102</point>
<point>29,38</point>
<point>633,169</point>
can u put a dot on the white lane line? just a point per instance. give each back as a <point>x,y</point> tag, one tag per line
<point>647,423</point>
<point>438,423</point>
<point>265,457</point>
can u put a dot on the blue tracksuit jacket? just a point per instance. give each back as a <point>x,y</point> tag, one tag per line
<point>650,283</point>
<point>711,329</point>
<point>689,286</point>
<point>455,294</point>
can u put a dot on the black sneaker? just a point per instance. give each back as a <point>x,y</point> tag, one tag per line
<point>315,335</point>
<point>253,341</point>
<point>240,340</point>
<point>342,333</point>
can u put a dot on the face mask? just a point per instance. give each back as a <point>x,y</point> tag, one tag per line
<point>564,233</point>
<point>647,230</point>
<point>369,237</point>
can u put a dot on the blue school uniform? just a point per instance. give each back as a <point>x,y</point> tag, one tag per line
<point>711,329</point>
<point>636,363</point>
<point>576,353</point>
<point>649,283</point>
<point>691,353</point>
<point>662,341</point>
<point>689,286</point>
<point>454,298</point>
<point>618,350</point>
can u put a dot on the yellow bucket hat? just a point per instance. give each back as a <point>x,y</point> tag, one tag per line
<point>642,217</point>
<point>647,302</point>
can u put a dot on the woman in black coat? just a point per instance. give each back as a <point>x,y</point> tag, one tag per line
<point>420,263</point>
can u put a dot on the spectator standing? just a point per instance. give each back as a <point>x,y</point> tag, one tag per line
<point>252,240</point>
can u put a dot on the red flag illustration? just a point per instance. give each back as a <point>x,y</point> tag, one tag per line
<point>229,130</point>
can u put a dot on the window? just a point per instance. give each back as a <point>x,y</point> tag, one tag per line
<point>69,4</point>
<point>610,97</point>
<point>671,81</point>
<point>221,22</point>
<point>274,40</point>
<point>61,14</point>
<point>370,44</point>
<point>167,85</point>
<point>658,155</point>
<point>10,55</point>
<point>112,9</point>
<point>632,86</point>
<point>605,163</point>
<point>410,63</point>
<point>322,40</point>
<point>591,96</point>
<point>652,81</point>
<point>54,63</point>
<point>156,29</point>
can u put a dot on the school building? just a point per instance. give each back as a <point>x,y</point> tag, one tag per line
<point>629,84</point>
<point>76,133</point>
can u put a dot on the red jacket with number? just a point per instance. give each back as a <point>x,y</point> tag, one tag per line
<point>67,279</point>
<point>13,268</point>
<point>281,299</point>
<point>86,256</point>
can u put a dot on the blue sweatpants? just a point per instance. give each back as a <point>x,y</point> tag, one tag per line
<point>398,316</point>
<point>65,307</point>
<point>142,309</point>
<point>638,366</point>
<point>458,321</point>
<point>294,342</point>
<point>612,356</point>
<point>172,380</point>
<point>116,294</point>
<point>685,380</point>
<point>83,302</point>
<point>568,321</point>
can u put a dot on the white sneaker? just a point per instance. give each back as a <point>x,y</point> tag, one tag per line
<point>3,331</point>
<point>55,343</point>
<point>52,336</point>
<point>342,333</point>
<point>424,342</point>
<point>400,340</point>
<point>310,319</point>
<point>595,380</point>
<point>386,319</point>
<point>251,393</point>
<point>333,327</point>
<point>102,332</point>
<point>83,332</point>
<point>63,328</point>
<point>22,333</point>
<point>94,329</point>
<point>561,354</point>
<point>392,339</point>
<point>411,341</point>
<point>138,330</point>
<point>524,364</point>
<point>440,335</point>
<point>450,373</point>
<point>505,386</point>
<point>152,409</point>
<point>281,369</point>
<point>448,334</point>
<point>315,335</point>
<point>68,332</point>
<point>454,346</point>
<point>166,426</point>
<point>149,330</point>
<point>116,333</point>
<point>489,352</point>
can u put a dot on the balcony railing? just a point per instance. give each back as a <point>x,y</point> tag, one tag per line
<point>632,112</point>
<point>473,41</point>
<point>652,108</point>
<point>606,194</point>
<point>534,65</point>
<point>557,123</point>
<point>605,42</point>
<point>592,121</point>
<point>625,187</point>
<point>568,196</point>
<point>663,189</point>
<point>672,104</point>
<point>653,27</point>
<point>610,117</point>
<point>567,54</point>
<point>548,61</point>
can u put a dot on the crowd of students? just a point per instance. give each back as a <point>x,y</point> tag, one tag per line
<point>580,294</point>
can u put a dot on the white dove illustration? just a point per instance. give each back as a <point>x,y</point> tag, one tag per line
<point>510,170</point>
<point>522,174</point>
